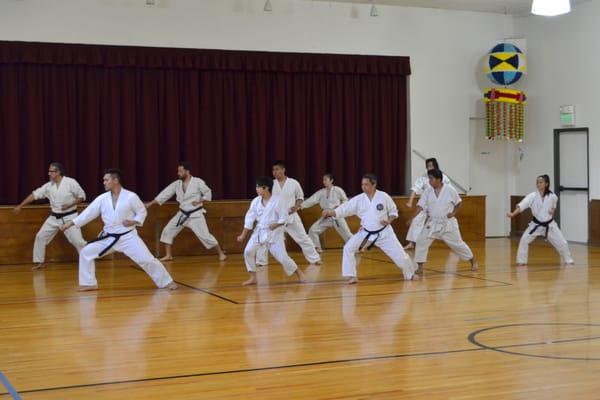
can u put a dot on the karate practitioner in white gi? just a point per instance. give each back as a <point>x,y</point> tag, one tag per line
<point>291,197</point>
<point>422,183</point>
<point>543,205</point>
<point>121,211</point>
<point>191,193</point>
<point>328,198</point>
<point>441,203</point>
<point>64,194</point>
<point>270,215</point>
<point>376,211</point>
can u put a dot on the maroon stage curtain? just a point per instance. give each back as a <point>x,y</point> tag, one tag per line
<point>230,114</point>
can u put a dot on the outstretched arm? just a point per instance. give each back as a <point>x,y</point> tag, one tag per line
<point>516,212</point>
<point>29,199</point>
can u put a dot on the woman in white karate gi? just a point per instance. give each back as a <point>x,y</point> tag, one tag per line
<point>543,205</point>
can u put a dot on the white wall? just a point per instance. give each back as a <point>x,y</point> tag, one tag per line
<point>445,47</point>
<point>563,68</point>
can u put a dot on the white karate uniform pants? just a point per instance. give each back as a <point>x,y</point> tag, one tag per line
<point>196,223</point>
<point>450,234</point>
<point>295,229</point>
<point>276,246</point>
<point>416,226</point>
<point>133,247</point>
<point>387,242</point>
<point>555,238</point>
<point>49,230</point>
<point>339,224</point>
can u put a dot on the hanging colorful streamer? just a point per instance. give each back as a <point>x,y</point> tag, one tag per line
<point>505,114</point>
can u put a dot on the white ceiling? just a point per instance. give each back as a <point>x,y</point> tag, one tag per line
<point>514,7</point>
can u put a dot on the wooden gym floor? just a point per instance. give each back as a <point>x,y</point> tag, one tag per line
<point>500,333</point>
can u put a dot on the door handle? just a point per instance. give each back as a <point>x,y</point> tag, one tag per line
<point>572,189</point>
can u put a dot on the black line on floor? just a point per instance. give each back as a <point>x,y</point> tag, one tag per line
<point>375,294</point>
<point>443,272</point>
<point>308,364</point>
<point>238,371</point>
<point>207,292</point>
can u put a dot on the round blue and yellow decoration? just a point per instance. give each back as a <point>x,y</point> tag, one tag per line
<point>505,64</point>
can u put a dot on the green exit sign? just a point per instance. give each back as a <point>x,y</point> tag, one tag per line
<point>567,115</point>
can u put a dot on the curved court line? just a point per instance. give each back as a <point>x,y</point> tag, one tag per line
<point>472,338</point>
<point>479,348</point>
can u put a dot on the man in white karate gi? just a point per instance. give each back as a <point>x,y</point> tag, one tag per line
<point>328,198</point>
<point>291,197</point>
<point>121,211</point>
<point>420,185</point>
<point>441,203</point>
<point>64,194</point>
<point>191,193</point>
<point>376,211</point>
<point>270,216</point>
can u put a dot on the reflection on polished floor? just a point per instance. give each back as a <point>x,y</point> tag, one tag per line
<point>500,333</point>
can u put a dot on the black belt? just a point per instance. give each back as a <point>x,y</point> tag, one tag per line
<point>103,235</point>
<point>539,224</point>
<point>186,215</point>
<point>369,234</point>
<point>62,215</point>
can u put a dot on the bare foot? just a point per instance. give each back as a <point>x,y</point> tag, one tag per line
<point>409,246</point>
<point>317,262</point>
<point>521,265</point>
<point>171,286</point>
<point>415,277</point>
<point>419,270</point>
<point>301,276</point>
<point>319,250</point>
<point>222,257</point>
<point>251,281</point>
<point>84,288</point>
<point>167,258</point>
<point>353,280</point>
<point>474,265</point>
<point>38,266</point>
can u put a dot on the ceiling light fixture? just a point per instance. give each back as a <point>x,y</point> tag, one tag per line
<point>550,8</point>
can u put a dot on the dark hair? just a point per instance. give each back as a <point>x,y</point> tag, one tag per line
<point>265,182</point>
<point>59,167</point>
<point>436,173</point>
<point>329,175</point>
<point>115,173</point>
<point>546,179</point>
<point>279,163</point>
<point>185,165</point>
<point>433,161</point>
<point>370,177</point>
